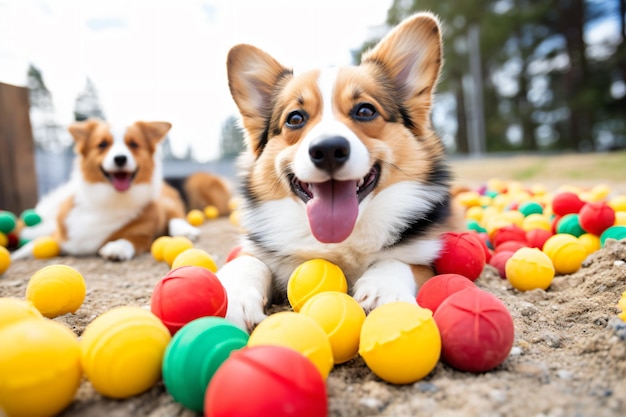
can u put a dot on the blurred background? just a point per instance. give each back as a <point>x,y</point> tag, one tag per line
<point>538,77</point>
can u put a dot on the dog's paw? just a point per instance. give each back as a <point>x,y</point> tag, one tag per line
<point>370,296</point>
<point>117,250</point>
<point>180,227</point>
<point>245,308</point>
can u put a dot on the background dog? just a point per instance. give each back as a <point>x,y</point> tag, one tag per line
<point>341,164</point>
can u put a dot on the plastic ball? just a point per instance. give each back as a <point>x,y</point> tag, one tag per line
<point>566,252</point>
<point>511,246</point>
<point>596,217</point>
<point>30,217</point>
<point>40,368</point>
<point>13,310</point>
<point>566,203</point>
<point>8,221</point>
<point>400,342</point>
<point>275,381</point>
<point>622,305</point>
<point>618,203</point>
<point>313,277</point>
<point>45,247</point>
<point>56,290</point>
<point>195,257</point>
<point>157,247</point>
<point>440,287</point>
<point>341,318</point>
<point>122,351</point>
<point>477,330</point>
<point>530,207</point>
<point>4,240</point>
<point>536,221</point>
<point>486,244</point>
<point>211,212</point>
<point>298,332</point>
<point>498,261</point>
<point>233,218</point>
<point>5,259</point>
<point>620,219</point>
<point>188,293</point>
<point>614,232</point>
<point>570,224</point>
<point>174,247</point>
<point>591,242</point>
<point>528,269</point>
<point>461,253</point>
<point>193,356</point>
<point>509,233</point>
<point>234,252</point>
<point>195,217</point>
<point>536,238</point>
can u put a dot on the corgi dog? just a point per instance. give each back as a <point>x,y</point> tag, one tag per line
<point>116,201</point>
<point>340,164</point>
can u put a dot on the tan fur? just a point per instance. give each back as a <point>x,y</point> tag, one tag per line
<point>203,189</point>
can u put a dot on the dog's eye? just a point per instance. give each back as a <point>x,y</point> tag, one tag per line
<point>103,144</point>
<point>133,145</point>
<point>364,112</point>
<point>296,119</point>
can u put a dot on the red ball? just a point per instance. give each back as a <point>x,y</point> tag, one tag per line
<point>461,253</point>
<point>498,261</point>
<point>234,252</point>
<point>188,293</point>
<point>537,237</point>
<point>440,287</point>
<point>476,330</point>
<point>266,381</point>
<point>509,233</point>
<point>566,203</point>
<point>595,218</point>
<point>510,246</point>
<point>484,238</point>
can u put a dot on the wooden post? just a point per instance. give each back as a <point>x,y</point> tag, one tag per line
<point>18,179</point>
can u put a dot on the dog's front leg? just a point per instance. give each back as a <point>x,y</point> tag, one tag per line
<point>247,281</point>
<point>385,282</point>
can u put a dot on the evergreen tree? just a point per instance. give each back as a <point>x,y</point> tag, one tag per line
<point>46,131</point>
<point>232,141</point>
<point>88,103</point>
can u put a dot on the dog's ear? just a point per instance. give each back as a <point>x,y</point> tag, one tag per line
<point>154,132</point>
<point>410,56</point>
<point>81,131</point>
<point>254,77</point>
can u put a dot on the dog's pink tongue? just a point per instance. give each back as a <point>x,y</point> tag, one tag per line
<point>333,210</point>
<point>121,182</point>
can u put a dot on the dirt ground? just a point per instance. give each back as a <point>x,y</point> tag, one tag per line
<point>568,359</point>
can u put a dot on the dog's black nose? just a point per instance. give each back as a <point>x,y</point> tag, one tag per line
<point>329,153</point>
<point>120,160</point>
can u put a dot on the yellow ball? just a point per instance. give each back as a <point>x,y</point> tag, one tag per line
<point>341,317</point>
<point>298,332</point>
<point>122,351</point>
<point>618,203</point>
<point>234,203</point>
<point>620,218</point>
<point>475,213</point>
<point>195,257</point>
<point>234,218</point>
<point>40,368</point>
<point>195,217</point>
<point>4,240</point>
<point>468,198</point>
<point>5,259</point>
<point>622,305</point>
<point>590,241</point>
<point>536,221</point>
<point>313,277</point>
<point>174,247</point>
<point>528,269</point>
<point>156,249</point>
<point>400,342</point>
<point>566,252</point>
<point>211,212</point>
<point>45,247</point>
<point>13,310</point>
<point>56,290</point>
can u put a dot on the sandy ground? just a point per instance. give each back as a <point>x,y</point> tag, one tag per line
<point>569,355</point>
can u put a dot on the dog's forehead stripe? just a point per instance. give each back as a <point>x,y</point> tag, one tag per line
<point>326,84</point>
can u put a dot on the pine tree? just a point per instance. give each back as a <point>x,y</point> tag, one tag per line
<point>88,103</point>
<point>46,131</point>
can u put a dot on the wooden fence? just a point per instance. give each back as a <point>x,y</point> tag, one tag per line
<point>18,180</point>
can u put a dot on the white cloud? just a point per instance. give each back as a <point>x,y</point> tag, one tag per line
<point>165,59</point>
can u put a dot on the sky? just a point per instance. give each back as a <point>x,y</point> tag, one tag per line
<point>165,59</point>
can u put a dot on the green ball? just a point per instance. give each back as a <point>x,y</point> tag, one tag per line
<point>8,221</point>
<point>570,225</point>
<point>30,217</point>
<point>614,232</point>
<point>474,225</point>
<point>195,353</point>
<point>530,207</point>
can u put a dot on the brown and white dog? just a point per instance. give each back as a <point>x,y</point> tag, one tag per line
<point>341,164</point>
<point>115,202</point>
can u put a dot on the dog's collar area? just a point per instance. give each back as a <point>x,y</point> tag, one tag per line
<point>364,186</point>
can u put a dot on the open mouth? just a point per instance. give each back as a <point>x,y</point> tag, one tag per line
<point>332,207</point>
<point>363,187</point>
<point>121,180</point>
